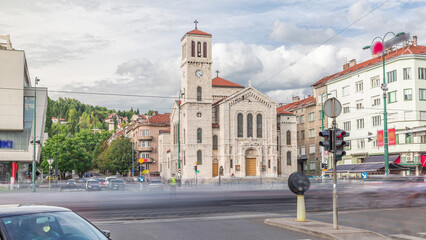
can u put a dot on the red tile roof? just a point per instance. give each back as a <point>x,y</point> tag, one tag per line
<point>165,131</point>
<point>220,82</point>
<point>291,106</point>
<point>160,118</point>
<point>198,32</point>
<point>215,125</point>
<point>410,49</point>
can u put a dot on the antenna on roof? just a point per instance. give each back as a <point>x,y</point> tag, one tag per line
<point>196,22</point>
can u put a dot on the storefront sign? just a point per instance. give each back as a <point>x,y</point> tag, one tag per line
<point>6,144</point>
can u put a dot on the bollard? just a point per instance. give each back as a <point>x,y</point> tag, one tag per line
<point>301,213</point>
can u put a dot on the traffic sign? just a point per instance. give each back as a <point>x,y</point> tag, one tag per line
<point>141,179</point>
<point>332,107</point>
<point>140,160</point>
<point>50,161</point>
<point>364,175</point>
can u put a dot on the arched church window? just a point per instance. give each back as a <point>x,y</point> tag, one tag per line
<point>240,125</point>
<point>215,143</point>
<point>288,137</point>
<point>199,135</point>
<point>288,158</point>
<point>249,125</point>
<point>199,157</point>
<point>199,94</point>
<point>205,49</point>
<point>259,125</point>
<point>198,49</point>
<point>192,49</point>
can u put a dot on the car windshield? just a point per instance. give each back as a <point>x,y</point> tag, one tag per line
<point>92,182</point>
<point>156,181</point>
<point>71,180</point>
<point>51,226</point>
<point>117,181</point>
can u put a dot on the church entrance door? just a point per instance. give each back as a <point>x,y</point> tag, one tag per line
<point>215,169</point>
<point>250,166</point>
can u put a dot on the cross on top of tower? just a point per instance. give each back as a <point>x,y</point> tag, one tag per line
<point>196,22</point>
<point>217,73</point>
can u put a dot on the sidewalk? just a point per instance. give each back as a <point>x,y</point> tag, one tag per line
<point>324,230</point>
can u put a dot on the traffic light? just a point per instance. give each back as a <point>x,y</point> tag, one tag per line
<point>51,172</point>
<point>340,143</point>
<point>324,165</point>
<point>143,168</point>
<point>408,134</point>
<point>195,167</point>
<point>327,142</point>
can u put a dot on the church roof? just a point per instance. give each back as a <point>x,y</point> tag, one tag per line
<point>198,32</point>
<point>220,82</point>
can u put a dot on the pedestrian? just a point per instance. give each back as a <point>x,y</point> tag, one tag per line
<point>172,181</point>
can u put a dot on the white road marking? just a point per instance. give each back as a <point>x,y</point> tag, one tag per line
<point>424,233</point>
<point>403,236</point>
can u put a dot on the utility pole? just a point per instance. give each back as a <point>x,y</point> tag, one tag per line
<point>133,159</point>
<point>34,137</point>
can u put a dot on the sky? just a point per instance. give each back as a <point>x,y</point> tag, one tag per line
<point>132,47</point>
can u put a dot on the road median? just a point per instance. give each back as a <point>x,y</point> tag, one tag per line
<point>324,230</point>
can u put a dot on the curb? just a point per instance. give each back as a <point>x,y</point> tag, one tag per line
<point>325,230</point>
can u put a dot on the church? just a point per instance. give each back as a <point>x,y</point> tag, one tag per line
<point>219,127</point>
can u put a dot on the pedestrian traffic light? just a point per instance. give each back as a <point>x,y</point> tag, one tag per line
<point>142,168</point>
<point>324,166</point>
<point>327,141</point>
<point>340,144</point>
<point>51,172</point>
<point>195,167</point>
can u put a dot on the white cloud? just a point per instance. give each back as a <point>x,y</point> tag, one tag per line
<point>290,33</point>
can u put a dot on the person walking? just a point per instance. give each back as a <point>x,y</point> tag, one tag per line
<point>172,181</point>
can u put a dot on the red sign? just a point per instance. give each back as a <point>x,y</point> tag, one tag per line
<point>380,139</point>
<point>325,153</point>
<point>391,136</point>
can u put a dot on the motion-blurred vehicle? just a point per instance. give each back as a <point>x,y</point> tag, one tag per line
<point>116,184</point>
<point>71,183</point>
<point>93,185</point>
<point>156,185</point>
<point>107,179</point>
<point>22,222</point>
<point>102,182</point>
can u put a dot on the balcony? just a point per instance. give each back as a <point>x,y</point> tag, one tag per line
<point>145,149</point>
<point>145,138</point>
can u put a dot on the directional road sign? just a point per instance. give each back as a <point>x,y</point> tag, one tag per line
<point>364,175</point>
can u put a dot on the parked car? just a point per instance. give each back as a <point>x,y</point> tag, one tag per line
<point>71,183</point>
<point>156,184</point>
<point>93,185</point>
<point>46,222</point>
<point>116,184</point>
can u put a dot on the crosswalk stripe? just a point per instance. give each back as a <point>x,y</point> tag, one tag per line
<point>403,236</point>
<point>422,233</point>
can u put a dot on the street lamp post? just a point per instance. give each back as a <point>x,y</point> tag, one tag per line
<point>34,137</point>
<point>384,87</point>
<point>180,95</point>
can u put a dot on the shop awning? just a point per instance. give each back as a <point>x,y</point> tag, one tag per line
<point>423,160</point>
<point>343,168</point>
<point>393,158</point>
<point>367,167</point>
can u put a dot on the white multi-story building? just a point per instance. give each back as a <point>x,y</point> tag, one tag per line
<point>358,88</point>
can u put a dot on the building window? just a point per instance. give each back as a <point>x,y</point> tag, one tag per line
<point>375,101</point>
<point>205,49</point>
<point>215,143</point>
<point>143,155</point>
<point>199,158</point>
<point>288,158</point>
<point>311,117</point>
<point>302,133</point>
<point>240,125</point>
<point>422,94</point>
<point>346,108</point>
<point>422,73</point>
<point>199,135</point>
<point>312,149</point>
<point>406,73</point>
<point>199,94</point>
<point>359,86</point>
<point>392,97</point>
<point>377,120</point>
<point>360,123</point>
<point>198,49</point>
<point>193,49</point>
<point>312,166</point>
<point>249,125</point>
<point>302,150</point>
<point>359,105</point>
<point>231,164</point>
<point>375,81</point>
<point>361,144</point>
<point>297,119</point>
<point>348,147</point>
<point>391,76</point>
<point>269,163</point>
<point>259,125</point>
<point>345,91</point>
<point>422,115</point>
<point>312,133</point>
<point>288,136</point>
<point>302,119</point>
<point>408,95</point>
<point>347,126</point>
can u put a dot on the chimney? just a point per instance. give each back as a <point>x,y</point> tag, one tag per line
<point>352,63</point>
<point>8,44</point>
<point>280,104</point>
<point>155,113</point>
<point>414,40</point>
<point>296,98</point>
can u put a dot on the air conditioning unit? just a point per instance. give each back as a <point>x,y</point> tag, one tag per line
<point>409,159</point>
